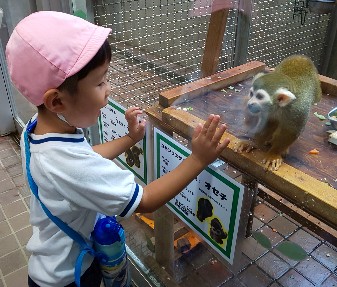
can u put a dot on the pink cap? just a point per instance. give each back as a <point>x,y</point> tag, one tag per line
<point>47,47</point>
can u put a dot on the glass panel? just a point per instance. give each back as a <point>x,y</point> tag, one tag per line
<point>159,45</point>
<point>24,109</point>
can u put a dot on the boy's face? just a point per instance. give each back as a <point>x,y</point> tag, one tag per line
<point>83,107</point>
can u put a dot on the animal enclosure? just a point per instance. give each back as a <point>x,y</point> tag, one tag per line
<point>158,49</point>
<point>159,44</point>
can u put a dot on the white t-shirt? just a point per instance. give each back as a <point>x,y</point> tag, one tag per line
<point>74,183</point>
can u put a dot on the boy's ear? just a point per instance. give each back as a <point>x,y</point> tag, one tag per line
<point>53,100</point>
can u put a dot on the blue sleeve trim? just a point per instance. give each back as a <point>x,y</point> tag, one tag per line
<point>130,204</point>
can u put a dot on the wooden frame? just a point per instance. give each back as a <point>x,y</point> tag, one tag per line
<point>214,82</point>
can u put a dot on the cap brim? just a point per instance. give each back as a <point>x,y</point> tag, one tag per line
<point>94,44</point>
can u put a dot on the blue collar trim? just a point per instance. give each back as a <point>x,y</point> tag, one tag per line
<point>31,126</point>
<point>56,139</point>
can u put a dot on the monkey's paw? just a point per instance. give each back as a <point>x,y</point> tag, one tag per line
<point>244,146</point>
<point>272,162</point>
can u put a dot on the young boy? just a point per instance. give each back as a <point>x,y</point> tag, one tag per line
<point>59,63</point>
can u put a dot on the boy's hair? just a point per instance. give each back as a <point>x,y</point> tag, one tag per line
<point>103,55</point>
<point>48,47</point>
<point>70,84</point>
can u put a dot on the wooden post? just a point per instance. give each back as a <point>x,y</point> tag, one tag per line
<point>164,238</point>
<point>163,218</point>
<point>329,58</point>
<point>243,30</point>
<point>216,30</point>
<point>250,189</point>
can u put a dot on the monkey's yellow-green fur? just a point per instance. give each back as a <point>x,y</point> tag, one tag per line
<point>279,107</point>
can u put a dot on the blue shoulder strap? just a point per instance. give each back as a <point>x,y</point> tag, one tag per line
<point>85,248</point>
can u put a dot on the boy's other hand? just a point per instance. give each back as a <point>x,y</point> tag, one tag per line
<point>136,127</point>
<point>206,146</point>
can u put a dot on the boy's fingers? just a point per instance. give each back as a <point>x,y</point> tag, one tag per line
<point>132,111</point>
<point>197,130</point>
<point>207,124</point>
<point>135,112</point>
<point>219,132</point>
<point>212,127</point>
<point>223,145</point>
<point>132,117</point>
<point>143,123</point>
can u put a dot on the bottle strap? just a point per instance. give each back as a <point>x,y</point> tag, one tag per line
<point>85,248</point>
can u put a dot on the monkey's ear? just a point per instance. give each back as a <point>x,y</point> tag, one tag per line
<point>284,97</point>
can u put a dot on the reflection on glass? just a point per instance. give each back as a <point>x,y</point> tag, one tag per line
<point>24,109</point>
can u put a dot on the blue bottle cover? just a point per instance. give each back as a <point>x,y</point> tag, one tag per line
<point>109,239</point>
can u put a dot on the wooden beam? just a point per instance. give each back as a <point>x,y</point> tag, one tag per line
<point>328,85</point>
<point>223,79</point>
<point>215,34</point>
<point>214,82</point>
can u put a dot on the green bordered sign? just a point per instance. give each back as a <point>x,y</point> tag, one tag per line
<point>210,204</point>
<point>113,125</point>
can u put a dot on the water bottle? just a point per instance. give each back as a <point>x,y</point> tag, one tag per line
<point>109,239</point>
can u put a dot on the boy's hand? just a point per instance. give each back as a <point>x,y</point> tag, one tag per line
<point>136,127</point>
<point>206,146</point>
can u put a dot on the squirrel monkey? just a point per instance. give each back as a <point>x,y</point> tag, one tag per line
<point>279,106</point>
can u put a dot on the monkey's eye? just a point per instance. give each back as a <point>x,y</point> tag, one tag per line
<point>251,94</point>
<point>259,96</point>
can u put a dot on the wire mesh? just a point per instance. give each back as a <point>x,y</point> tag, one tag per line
<point>283,28</point>
<point>156,45</point>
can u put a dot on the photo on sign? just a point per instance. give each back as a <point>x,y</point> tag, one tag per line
<point>216,229</point>
<point>134,156</point>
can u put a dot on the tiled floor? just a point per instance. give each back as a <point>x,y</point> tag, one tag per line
<point>259,267</point>
<point>14,216</point>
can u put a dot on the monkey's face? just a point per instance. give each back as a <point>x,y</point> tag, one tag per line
<point>269,91</point>
<point>259,100</point>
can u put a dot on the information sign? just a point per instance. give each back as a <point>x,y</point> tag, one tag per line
<point>113,125</point>
<point>210,204</point>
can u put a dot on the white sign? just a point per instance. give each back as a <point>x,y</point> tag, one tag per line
<point>210,204</point>
<point>113,125</point>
